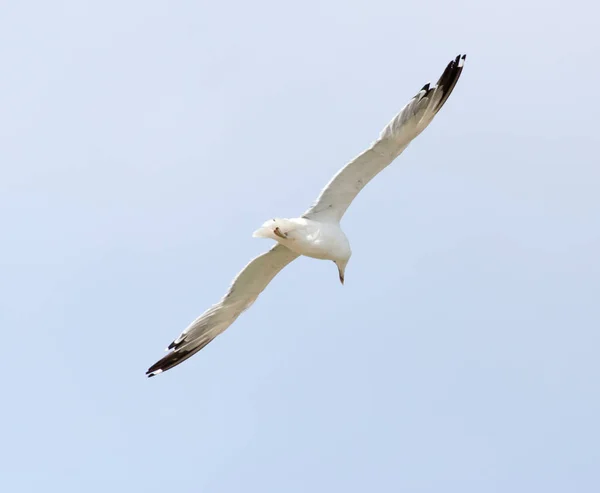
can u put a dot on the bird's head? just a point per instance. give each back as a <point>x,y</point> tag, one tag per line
<point>341,265</point>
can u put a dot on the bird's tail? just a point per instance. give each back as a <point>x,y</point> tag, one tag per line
<point>268,229</point>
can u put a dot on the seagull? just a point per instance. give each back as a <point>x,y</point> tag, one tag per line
<point>317,233</point>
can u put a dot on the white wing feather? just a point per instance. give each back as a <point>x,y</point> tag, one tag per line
<point>339,193</point>
<point>244,290</point>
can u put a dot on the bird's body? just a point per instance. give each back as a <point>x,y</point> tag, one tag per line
<point>317,233</point>
<point>322,240</point>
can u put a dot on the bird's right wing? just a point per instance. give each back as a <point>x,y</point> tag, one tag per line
<point>339,193</point>
<point>244,290</point>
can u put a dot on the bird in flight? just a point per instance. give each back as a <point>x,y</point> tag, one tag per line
<point>317,233</point>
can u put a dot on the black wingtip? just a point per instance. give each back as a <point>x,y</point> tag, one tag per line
<point>169,361</point>
<point>174,358</point>
<point>449,78</point>
<point>425,87</point>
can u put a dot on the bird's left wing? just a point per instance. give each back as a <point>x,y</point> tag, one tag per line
<point>244,290</point>
<point>339,193</point>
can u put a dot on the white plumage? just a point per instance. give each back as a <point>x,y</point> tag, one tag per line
<point>317,233</point>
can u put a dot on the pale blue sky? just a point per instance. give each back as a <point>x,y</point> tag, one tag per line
<point>141,143</point>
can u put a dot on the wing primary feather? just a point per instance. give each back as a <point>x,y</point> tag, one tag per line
<point>174,358</point>
<point>417,114</point>
<point>243,292</point>
<point>449,79</point>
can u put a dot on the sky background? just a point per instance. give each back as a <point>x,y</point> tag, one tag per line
<point>141,143</point>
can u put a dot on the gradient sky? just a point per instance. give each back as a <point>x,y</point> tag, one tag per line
<point>141,143</point>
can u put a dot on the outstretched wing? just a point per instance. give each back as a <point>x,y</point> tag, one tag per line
<point>244,290</point>
<point>339,193</point>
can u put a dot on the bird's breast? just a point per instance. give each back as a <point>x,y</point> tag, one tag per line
<point>318,240</point>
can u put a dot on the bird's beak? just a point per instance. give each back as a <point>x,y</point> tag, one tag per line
<point>341,275</point>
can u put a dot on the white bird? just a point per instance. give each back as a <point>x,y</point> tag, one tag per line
<point>317,233</point>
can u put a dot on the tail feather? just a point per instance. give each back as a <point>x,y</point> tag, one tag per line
<point>266,230</point>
